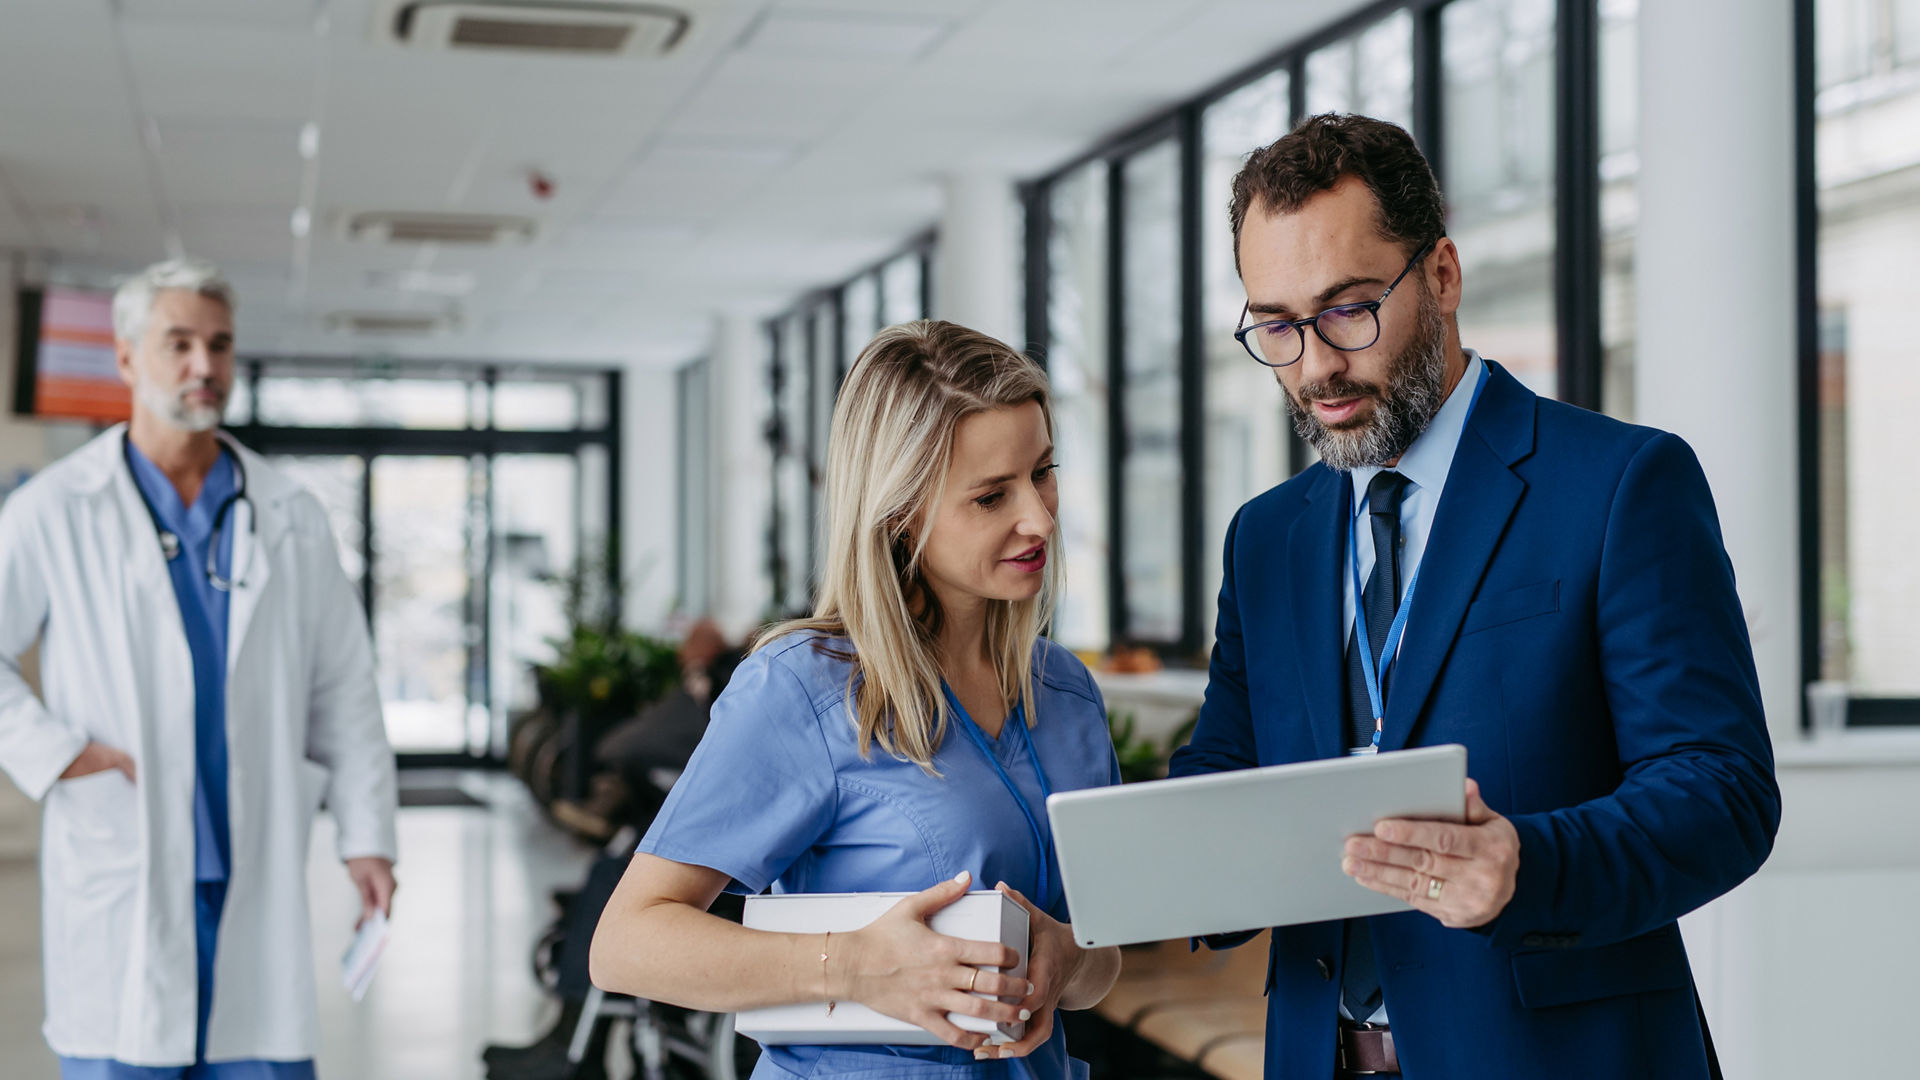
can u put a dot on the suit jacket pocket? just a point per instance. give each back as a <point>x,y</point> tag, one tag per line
<point>1650,962</point>
<point>1511,606</point>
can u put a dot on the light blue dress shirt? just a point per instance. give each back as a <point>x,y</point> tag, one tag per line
<point>1425,465</point>
<point>777,795</point>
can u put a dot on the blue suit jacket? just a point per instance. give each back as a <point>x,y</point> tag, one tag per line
<point>1577,630</point>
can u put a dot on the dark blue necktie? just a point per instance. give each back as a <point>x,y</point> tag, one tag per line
<point>1360,982</point>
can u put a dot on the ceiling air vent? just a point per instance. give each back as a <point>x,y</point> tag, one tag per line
<point>467,229</point>
<point>391,323</point>
<point>560,27</point>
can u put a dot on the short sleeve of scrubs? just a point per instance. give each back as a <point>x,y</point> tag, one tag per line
<point>760,789</point>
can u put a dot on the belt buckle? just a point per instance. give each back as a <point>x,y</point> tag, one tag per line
<point>1340,1049</point>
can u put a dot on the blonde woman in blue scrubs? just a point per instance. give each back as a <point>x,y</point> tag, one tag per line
<point>903,739</point>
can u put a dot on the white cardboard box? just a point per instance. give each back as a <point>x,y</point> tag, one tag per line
<point>977,916</point>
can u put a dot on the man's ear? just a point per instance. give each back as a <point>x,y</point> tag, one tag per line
<point>1443,276</point>
<point>123,361</point>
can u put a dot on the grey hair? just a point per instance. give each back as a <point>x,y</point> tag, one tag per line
<point>133,301</point>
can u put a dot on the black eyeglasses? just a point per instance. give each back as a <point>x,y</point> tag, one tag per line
<point>1347,327</point>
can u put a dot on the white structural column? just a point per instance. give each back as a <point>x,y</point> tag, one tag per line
<point>742,473</point>
<point>648,539</point>
<point>978,257</point>
<point>1821,940</point>
<point>1714,288</point>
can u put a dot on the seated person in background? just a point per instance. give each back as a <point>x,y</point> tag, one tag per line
<point>904,738</point>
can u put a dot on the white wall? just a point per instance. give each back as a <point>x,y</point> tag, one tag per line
<point>1821,942</point>
<point>649,475</point>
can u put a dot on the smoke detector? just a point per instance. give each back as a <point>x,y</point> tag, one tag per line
<point>561,27</point>
<point>398,227</point>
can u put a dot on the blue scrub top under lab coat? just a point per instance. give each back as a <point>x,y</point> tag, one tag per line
<point>203,615</point>
<point>778,795</point>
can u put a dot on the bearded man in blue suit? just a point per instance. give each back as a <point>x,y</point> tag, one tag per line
<point>1472,563</point>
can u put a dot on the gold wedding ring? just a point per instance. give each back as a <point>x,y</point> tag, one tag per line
<point>974,979</point>
<point>1434,885</point>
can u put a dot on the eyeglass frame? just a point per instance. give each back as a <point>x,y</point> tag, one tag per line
<point>1372,307</point>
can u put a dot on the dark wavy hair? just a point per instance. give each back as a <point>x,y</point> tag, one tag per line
<point>1319,151</point>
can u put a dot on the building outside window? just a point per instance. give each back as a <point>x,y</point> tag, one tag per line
<point>1077,367</point>
<point>1867,162</point>
<point>1247,431</point>
<point>1498,62</point>
<point>1370,72</point>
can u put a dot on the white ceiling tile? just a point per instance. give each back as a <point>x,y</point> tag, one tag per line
<point>223,71</point>
<point>267,13</point>
<point>225,233</point>
<point>832,35</point>
<point>240,162</point>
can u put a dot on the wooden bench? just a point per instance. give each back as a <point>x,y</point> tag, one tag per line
<point>1204,1007</point>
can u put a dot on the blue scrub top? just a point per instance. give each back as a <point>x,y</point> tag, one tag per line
<point>778,795</point>
<point>203,614</point>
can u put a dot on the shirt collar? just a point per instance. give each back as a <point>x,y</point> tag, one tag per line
<point>1427,462</point>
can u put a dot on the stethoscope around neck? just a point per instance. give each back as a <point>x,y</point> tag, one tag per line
<point>170,545</point>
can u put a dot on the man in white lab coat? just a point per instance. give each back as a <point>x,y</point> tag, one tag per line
<point>207,680</point>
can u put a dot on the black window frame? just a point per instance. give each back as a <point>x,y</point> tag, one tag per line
<point>1577,250</point>
<point>828,303</point>
<point>475,442</point>
<point>1863,711</point>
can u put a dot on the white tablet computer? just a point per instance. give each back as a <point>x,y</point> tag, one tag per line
<point>1239,850</point>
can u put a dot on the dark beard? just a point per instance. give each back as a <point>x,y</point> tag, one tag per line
<point>1415,381</point>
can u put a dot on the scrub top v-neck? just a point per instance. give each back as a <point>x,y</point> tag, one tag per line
<point>777,795</point>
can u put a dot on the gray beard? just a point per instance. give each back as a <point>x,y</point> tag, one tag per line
<point>171,407</point>
<point>1415,381</point>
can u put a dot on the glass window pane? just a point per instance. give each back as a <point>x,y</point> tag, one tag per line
<point>823,389</point>
<point>420,559</point>
<point>862,299</point>
<point>1150,457</point>
<point>536,545</point>
<point>335,481</point>
<point>536,406</point>
<point>1869,359</point>
<point>1906,32</point>
<point>900,290</point>
<point>240,401</point>
<point>696,480</point>
<point>1619,208</point>
<point>303,401</point>
<point>796,503</point>
<point>1499,76</point>
<point>1246,429</point>
<point>1077,369</point>
<point>1370,73</point>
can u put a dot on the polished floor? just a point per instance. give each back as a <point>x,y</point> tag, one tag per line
<point>474,894</point>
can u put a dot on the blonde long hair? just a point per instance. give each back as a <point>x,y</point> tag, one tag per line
<point>887,458</point>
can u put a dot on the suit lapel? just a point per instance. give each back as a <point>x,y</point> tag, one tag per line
<point>1481,494</point>
<point>1316,546</point>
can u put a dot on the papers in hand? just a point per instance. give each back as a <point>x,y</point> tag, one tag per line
<point>363,956</point>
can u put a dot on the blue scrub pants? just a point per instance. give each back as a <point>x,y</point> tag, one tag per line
<point>210,899</point>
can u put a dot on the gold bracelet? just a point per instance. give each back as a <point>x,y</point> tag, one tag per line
<point>824,990</point>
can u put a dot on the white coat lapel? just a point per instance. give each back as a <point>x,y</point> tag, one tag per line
<point>254,540</point>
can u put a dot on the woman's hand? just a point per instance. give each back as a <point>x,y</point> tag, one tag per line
<point>898,966</point>
<point>1054,961</point>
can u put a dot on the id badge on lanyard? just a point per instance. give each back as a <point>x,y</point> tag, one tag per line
<point>1374,679</point>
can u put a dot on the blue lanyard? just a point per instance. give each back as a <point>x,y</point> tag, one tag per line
<point>1018,720</point>
<point>1390,648</point>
